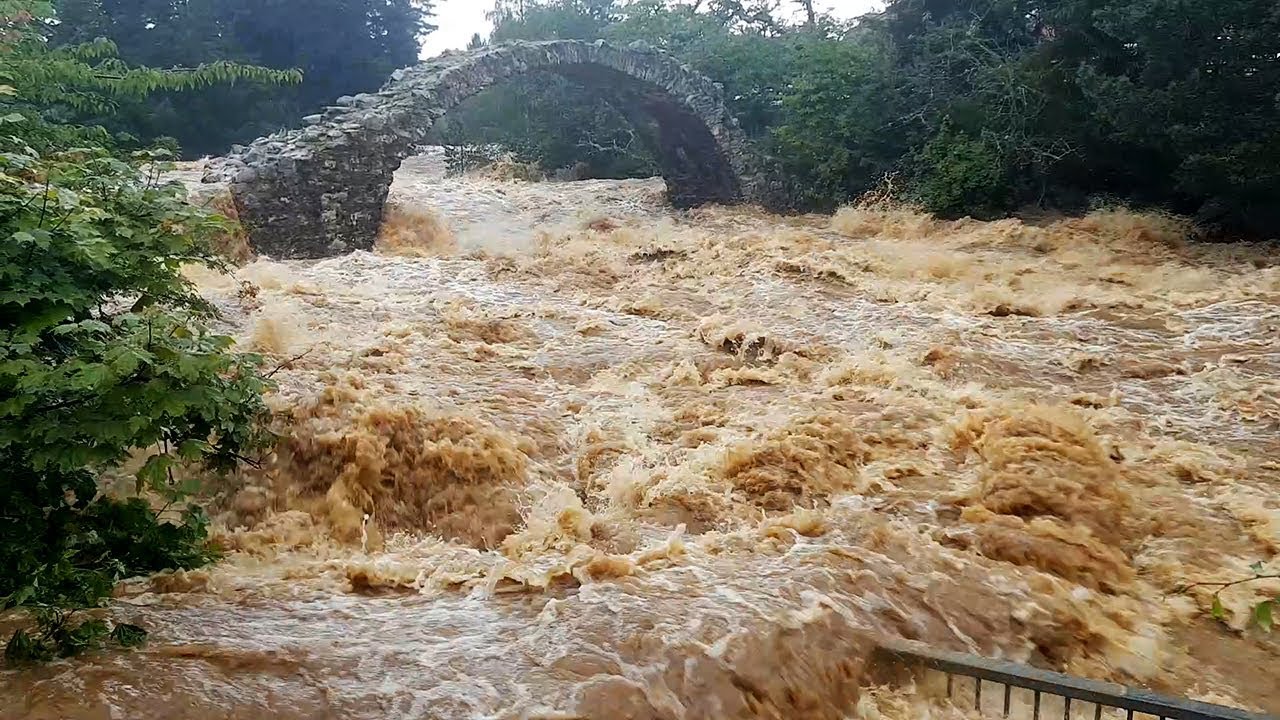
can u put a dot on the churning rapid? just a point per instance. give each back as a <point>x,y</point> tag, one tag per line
<point>557,451</point>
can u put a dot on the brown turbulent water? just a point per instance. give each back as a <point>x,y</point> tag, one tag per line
<point>555,451</point>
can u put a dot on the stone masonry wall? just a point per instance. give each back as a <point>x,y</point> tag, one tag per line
<point>320,190</point>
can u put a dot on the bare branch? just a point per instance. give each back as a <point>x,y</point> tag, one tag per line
<point>288,362</point>
<point>1224,585</point>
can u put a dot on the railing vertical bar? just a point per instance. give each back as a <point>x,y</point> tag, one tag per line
<point>977,694</point>
<point>1036,707</point>
<point>1129,715</point>
<point>1066,708</point>
<point>1008,690</point>
<point>1097,711</point>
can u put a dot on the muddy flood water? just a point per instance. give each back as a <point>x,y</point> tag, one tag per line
<point>554,450</point>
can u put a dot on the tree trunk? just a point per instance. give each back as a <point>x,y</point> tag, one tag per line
<point>808,8</point>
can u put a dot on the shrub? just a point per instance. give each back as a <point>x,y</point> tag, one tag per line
<point>105,354</point>
<point>958,174</point>
<point>105,350</point>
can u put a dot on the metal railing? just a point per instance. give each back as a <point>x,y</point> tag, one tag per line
<point>1073,691</point>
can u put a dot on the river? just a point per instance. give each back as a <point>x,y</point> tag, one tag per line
<point>555,450</point>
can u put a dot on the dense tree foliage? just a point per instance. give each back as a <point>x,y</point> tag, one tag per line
<point>1153,102</point>
<point>341,47</point>
<point>980,108</point>
<point>105,352</point>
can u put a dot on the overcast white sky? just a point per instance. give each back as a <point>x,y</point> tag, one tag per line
<point>460,19</point>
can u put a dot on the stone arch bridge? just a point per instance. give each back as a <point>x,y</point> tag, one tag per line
<point>320,190</point>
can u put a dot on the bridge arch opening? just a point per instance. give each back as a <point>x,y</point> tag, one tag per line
<point>321,190</point>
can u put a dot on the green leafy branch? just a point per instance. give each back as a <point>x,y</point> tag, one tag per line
<point>59,635</point>
<point>89,77</point>
<point>1263,612</point>
<point>105,349</point>
<point>104,352</point>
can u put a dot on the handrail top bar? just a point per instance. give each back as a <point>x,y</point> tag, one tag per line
<point>1025,676</point>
